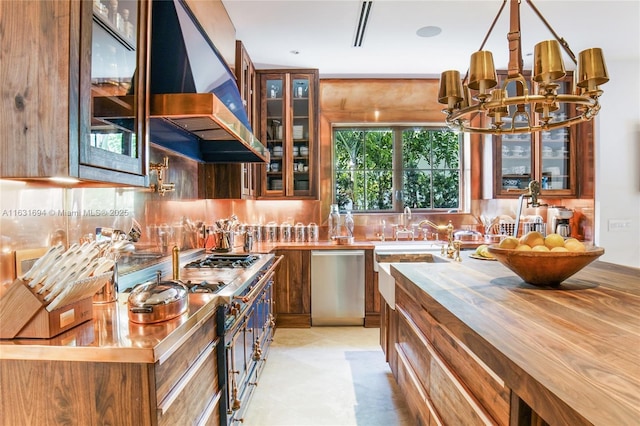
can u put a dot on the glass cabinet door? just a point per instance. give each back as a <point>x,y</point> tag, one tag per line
<point>515,162</point>
<point>275,131</point>
<point>300,134</point>
<point>546,156</point>
<point>115,134</point>
<point>288,125</point>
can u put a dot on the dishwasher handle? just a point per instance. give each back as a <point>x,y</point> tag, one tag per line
<point>337,253</point>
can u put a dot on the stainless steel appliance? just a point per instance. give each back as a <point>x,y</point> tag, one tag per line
<point>559,219</point>
<point>245,320</point>
<point>337,287</point>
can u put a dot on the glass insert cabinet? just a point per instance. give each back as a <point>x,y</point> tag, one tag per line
<point>288,121</point>
<point>550,157</point>
<point>115,137</point>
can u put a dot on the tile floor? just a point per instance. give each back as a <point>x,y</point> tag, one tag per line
<point>331,376</point>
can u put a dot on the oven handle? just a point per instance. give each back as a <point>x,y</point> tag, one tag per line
<point>258,287</point>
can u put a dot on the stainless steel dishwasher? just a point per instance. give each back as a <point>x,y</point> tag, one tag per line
<point>337,287</point>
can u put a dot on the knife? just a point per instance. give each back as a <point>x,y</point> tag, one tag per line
<point>38,263</point>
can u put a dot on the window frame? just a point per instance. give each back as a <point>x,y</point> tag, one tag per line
<point>397,165</point>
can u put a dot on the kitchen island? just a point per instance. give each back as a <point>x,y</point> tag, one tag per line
<point>474,344</point>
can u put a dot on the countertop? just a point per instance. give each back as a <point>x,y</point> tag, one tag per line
<point>572,353</point>
<point>111,337</point>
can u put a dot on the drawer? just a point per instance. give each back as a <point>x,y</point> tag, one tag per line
<point>481,381</point>
<point>189,399</point>
<point>450,401</point>
<point>413,346</point>
<point>169,371</point>
<point>413,391</point>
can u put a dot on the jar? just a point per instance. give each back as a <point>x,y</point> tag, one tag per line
<point>272,232</point>
<point>300,233</point>
<point>285,232</point>
<point>312,233</point>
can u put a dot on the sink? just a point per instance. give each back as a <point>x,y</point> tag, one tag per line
<point>386,253</point>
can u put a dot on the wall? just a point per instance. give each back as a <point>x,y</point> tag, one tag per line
<point>618,163</point>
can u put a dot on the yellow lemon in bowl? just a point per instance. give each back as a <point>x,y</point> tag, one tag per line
<point>554,240</point>
<point>509,243</point>
<point>574,246</point>
<point>532,239</point>
<point>541,247</point>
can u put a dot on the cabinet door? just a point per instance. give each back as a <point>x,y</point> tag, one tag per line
<point>288,121</point>
<point>548,156</point>
<point>112,123</point>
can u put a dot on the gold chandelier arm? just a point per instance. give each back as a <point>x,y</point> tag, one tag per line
<point>459,119</point>
<point>560,40</point>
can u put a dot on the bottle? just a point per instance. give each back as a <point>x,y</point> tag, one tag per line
<point>348,223</point>
<point>334,222</point>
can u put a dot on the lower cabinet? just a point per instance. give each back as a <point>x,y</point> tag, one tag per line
<point>442,379</point>
<point>292,293</point>
<point>183,388</point>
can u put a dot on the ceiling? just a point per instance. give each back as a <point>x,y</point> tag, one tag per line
<point>322,32</point>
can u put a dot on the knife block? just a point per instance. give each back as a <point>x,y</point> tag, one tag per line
<point>23,314</point>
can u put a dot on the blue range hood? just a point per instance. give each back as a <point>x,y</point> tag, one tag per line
<point>195,106</point>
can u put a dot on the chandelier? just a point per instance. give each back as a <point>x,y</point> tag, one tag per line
<point>480,95</point>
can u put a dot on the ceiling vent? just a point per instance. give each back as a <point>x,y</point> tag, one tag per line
<point>362,23</point>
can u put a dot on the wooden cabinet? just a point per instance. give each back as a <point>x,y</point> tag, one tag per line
<point>289,127</point>
<point>292,292</point>
<point>180,388</point>
<point>557,158</point>
<point>62,74</point>
<point>445,382</point>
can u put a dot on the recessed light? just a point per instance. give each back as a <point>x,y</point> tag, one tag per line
<point>428,31</point>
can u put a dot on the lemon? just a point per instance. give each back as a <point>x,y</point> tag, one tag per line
<point>540,248</point>
<point>554,240</point>
<point>480,248</point>
<point>561,249</point>
<point>575,246</point>
<point>485,253</point>
<point>523,247</point>
<point>532,239</point>
<point>509,243</point>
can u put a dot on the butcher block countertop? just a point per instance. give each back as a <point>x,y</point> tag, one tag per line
<point>571,353</point>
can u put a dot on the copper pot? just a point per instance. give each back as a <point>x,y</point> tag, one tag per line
<point>157,301</point>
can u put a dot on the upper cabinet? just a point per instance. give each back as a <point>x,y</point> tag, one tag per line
<point>58,75</point>
<point>116,84</point>
<point>557,159</point>
<point>288,124</point>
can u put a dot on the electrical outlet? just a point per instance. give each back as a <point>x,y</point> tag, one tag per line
<point>619,225</point>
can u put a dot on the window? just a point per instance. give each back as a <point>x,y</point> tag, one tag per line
<point>388,168</point>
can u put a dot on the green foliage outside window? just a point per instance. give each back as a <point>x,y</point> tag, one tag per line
<point>363,168</point>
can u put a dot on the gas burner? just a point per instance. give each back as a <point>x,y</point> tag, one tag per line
<point>224,261</point>
<point>206,287</point>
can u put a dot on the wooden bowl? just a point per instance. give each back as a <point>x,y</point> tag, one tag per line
<point>545,269</point>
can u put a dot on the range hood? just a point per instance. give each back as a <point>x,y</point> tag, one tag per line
<point>194,105</point>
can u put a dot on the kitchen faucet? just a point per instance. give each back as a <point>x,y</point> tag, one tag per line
<point>406,216</point>
<point>402,229</point>
<point>534,192</point>
<point>451,247</point>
